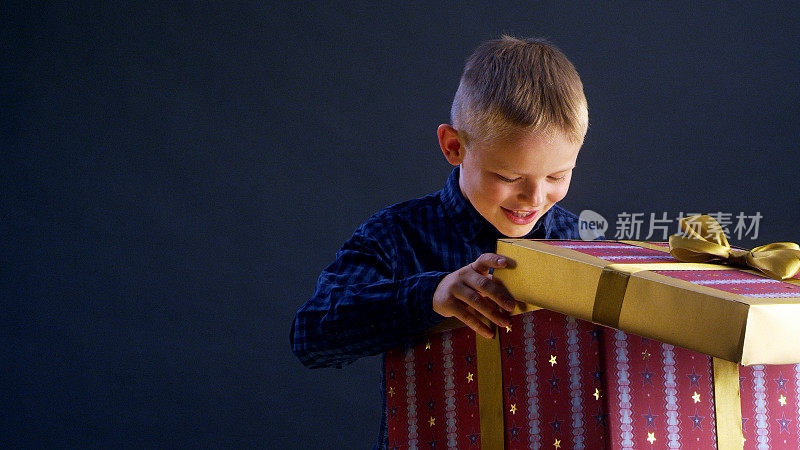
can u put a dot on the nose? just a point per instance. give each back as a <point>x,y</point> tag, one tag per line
<point>533,192</point>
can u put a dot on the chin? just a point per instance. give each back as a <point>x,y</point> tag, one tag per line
<point>516,232</point>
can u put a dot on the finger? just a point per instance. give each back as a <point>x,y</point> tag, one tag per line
<point>471,309</point>
<point>491,289</point>
<point>489,261</point>
<point>471,320</point>
<point>484,306</point>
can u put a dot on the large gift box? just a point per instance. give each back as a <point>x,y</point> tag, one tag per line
<point>699,356</point>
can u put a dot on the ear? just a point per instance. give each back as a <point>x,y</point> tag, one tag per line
<point>451,144</point>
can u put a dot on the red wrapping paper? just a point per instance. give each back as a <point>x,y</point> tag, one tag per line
<point>568,383</point>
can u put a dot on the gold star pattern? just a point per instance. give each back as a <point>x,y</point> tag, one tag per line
<point>552,361</point>
<point>782,400</point>
<point>645,354</point>
<point>696,397</point>
<point>513,409</point>
<point>469,377</point>
<point>651,437</point>
<point>596,394</point>
<point>557,444</point>
<point>428,345</point>
<point>508,328</point>
<point>391,391</point>
<point>432,421</point>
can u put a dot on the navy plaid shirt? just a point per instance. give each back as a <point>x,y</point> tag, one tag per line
<point>378,292</point>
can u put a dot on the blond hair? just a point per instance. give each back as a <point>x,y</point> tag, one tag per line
<point>512,84</point>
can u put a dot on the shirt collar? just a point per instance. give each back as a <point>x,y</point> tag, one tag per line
<point>470,223</point>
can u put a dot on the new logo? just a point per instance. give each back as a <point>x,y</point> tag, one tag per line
<point>591,225</point>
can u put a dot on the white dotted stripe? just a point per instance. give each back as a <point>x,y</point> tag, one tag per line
<point>737,281</point>
<point>623,390</point>
<point>595,246</point>
<point>761,413</point>
<point>773,295</point>
<point>411,399</point>
<point>671,397</point>
<point>618,257</point>
<point>449,390</point>
<point>712,417</point>
<point>797,390</point>
<point>531,372</point>
<point>575,386</point>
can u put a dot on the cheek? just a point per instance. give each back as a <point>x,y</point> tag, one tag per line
<point>496,192</point>
<point>559,192</point>
<point>500,192</point>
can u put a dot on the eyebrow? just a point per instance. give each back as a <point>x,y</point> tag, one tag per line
<point>564,170</point>
<point>506,169</point>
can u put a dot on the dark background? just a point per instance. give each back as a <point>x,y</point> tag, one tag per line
<point>175,177</point>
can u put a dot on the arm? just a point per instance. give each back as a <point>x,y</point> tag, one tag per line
<point>359,308</point>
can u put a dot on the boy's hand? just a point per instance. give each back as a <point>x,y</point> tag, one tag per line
<point>470,294</point>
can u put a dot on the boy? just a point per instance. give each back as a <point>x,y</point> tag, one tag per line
<point>518,121</point>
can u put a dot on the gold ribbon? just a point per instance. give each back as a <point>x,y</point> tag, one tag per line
<point>705,242</point>
<point>610,292</point>
<point>490,391</point>
<point>727,405</point>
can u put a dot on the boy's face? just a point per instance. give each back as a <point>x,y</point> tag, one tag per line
<point>512,182</point>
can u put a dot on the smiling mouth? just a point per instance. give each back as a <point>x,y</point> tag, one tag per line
<point>521,213</point>
<point>520,216</point>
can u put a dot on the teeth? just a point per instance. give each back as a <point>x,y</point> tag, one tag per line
<point>521,213</point>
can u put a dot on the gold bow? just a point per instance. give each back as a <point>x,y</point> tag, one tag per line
<point>706,242</point>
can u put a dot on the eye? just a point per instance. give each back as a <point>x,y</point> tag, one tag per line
<point>507,180</point>
<point>557,179</point>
